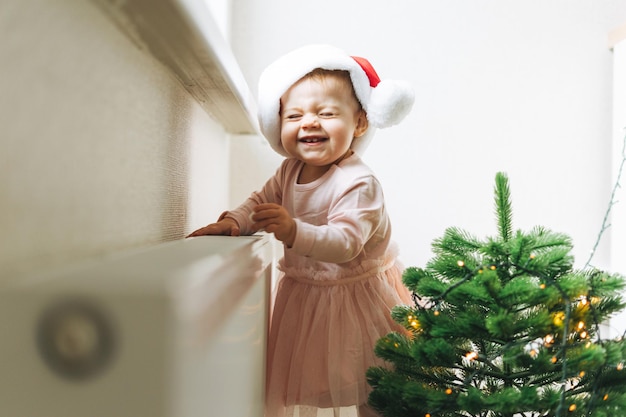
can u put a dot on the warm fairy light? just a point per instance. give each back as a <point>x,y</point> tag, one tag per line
<point>492,267</point>
<point>427,415</point>
<point>436,313</point>
<point>471,356</point>
<point>581,374</point>
<point>415,324</point>
<point>583,335</point>
<point>558,318</point>
<point>396,345</point>
<point>480,271</point>
<point>533,353</point>
<point>606,397</point>
<point>449,391</point>
<point>542,286</point>
<point>620,366</point>
<point>553,360</point>
<point>548,339</point>
<point>532,256</point>
<point>583,300</point>
<point>581,325</point>
<point>572,407</point>
<point>460,263</point>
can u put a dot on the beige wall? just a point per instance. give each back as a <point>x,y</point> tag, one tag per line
<point>98,141</point>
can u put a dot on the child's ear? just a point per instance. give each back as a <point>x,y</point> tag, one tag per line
<point>361,125</point>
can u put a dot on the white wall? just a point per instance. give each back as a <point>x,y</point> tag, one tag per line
<point>101,148</point>
<point>618,221</point>
<point>220,11</point>
<point>517,86</point>
<point>618,218</point>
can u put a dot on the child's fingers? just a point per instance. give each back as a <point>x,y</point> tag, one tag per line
<point>262,224</point>
<point>264,215</point>
<point>266,206</point>
<point>268,217</point>
<point>216,229</point>
<point>201,232</point>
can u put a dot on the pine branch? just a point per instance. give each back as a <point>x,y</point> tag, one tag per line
<point>503,207</point>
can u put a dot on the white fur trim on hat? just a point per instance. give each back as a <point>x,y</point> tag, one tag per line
<point>386,104</point>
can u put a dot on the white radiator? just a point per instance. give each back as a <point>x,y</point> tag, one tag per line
<point>176,330</point>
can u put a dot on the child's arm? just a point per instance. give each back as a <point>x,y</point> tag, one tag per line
<point>239,221</point>
<point>356,219</point>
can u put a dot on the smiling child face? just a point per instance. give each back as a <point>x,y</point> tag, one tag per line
<point>319,118</point>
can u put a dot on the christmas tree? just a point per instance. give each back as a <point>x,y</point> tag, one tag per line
<point>503,327</point>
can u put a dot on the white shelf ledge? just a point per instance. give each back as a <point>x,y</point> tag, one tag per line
<point>183,35</point>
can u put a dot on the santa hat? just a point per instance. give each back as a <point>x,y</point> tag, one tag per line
<point>386,102</point>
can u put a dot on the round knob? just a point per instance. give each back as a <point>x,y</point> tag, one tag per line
<point>75,339</point>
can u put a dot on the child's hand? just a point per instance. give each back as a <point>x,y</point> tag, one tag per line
<point>273,218</point>
<point>226,227</point>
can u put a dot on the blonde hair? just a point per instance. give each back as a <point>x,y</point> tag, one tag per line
<point>321,75</point>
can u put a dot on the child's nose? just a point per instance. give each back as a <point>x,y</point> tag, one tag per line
<point>310,120</point>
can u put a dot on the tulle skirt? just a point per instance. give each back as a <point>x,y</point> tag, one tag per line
<point>322,339</point>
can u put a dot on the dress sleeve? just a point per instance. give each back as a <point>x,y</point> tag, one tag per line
<point>355,217</point>
<point>271,192</point>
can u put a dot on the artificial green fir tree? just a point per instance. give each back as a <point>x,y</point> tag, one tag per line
<point>502,327</point>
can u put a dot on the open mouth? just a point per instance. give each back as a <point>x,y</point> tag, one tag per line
<point>312,140</point>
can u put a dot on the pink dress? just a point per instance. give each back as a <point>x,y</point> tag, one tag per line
<point>340,280</point>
